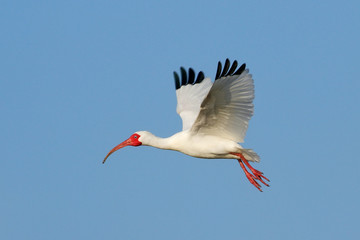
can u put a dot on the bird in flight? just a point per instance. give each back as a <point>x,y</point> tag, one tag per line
<point>215,118</point>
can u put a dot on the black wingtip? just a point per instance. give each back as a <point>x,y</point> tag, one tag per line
<point>226,68</point>
<point>177,81</point>
<point>226,72</point>
<point>200,77</point>
<point>191,76</point>
<point>218,71</point>
<point>233,67</point>
<point>183,76</point>
<point>241,69</point>
<point>187,78</point>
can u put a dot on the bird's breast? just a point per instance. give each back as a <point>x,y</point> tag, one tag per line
<point>204,146</point>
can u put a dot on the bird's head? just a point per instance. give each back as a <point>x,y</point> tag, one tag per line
<point>133,140</point>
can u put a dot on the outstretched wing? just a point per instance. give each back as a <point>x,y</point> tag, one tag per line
<point>190,93</point>
<point>228,107</point>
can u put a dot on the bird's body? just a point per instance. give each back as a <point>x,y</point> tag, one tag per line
<point>215,118</point>
<point>195,145</point>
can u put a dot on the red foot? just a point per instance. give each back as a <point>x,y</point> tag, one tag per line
<point>256,175</point>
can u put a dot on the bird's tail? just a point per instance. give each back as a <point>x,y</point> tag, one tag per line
<point>250,155</point>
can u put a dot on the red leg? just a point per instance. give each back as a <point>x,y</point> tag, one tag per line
<point>256,175</point>
<point>249,176</point>
<point>259,175</point>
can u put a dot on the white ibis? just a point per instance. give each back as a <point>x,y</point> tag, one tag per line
<point>215,118</point>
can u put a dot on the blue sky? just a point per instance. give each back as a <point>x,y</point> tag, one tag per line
<point>79,77</point>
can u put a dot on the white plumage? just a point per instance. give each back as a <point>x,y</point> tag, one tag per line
<point>215,118</point>
<point>189,99</point>
<point>227,108</point>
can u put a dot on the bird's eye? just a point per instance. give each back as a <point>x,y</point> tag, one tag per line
<point>135,136</point>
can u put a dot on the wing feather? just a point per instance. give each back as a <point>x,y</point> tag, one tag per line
<point>228,106</point>
<point>190,94</point>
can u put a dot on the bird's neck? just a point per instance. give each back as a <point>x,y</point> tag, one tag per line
<point>149,139</point>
